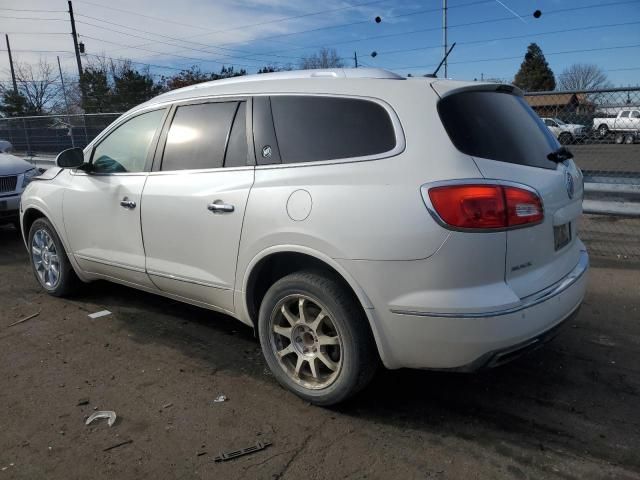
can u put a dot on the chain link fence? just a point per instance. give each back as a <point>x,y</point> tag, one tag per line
<point>50,134</point>
<point>601,127</point>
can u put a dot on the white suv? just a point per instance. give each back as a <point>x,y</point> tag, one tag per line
<point>349,216</point>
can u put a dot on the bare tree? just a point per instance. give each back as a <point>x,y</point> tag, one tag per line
<point>41,87</point>
<point>324,58</point>
<point>583,76</point>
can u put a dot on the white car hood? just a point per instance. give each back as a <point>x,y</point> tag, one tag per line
<point>12,165</point>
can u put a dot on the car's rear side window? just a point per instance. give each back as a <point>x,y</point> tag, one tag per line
<point>498,126</point>
<point>198,135</point>
<point>315,128</point>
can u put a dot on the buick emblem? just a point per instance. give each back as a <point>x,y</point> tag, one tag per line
<point>266,151</point>
<point>569,184</point>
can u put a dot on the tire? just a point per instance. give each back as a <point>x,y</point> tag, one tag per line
<point>565,138</point>
<point>342,367</point>
<point>629,139</point>
<point>603,130</point>
<point>619,138</point>
<point>44,239</point>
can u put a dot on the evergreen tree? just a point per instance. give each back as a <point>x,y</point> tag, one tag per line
<point>131,88</point>
<point>534,74</point>
<point>96,93</point>
<point>13,104</point>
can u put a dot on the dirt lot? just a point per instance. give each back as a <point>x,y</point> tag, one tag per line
<point>571,410</point>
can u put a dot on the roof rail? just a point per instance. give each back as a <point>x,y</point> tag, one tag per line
<point>377,73</point>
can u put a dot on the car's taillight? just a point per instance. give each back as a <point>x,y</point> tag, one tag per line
<point>485,206</point>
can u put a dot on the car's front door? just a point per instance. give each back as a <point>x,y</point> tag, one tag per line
<point>102,205</point>
<point>194,201</point>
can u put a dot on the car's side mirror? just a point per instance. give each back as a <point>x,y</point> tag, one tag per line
<point>70,158</point>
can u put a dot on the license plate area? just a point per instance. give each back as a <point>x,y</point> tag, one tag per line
<point>561,235</point>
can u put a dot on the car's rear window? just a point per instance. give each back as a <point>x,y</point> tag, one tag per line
<point>499,126</point>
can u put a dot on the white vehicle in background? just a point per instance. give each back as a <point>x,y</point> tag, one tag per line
<point>351,217</point>
<point>566,133</point>
<point>626,126</point>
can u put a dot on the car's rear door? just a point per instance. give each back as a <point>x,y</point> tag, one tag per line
<point>509,142</point>
<point>101,206</point>
<point>194,201</point>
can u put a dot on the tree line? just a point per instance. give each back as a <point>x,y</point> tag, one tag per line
<point>109,85</point>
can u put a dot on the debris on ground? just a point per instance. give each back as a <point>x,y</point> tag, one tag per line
<point>82,401</point>
<point>126,442</point>
<point>167,405</point>
<point>34,315</point>
<point>224,456</point>
<point>101,313</point>
<point>108,414</point>
<point>220,399</point>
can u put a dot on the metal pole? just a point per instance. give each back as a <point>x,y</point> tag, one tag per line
<point>13,73</point>
<point>75,38</point>
<point>444,36</point>
<point>355,58</point>
<point>66,102</point>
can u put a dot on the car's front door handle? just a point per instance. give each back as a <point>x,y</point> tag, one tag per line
<point>219,207</point>
<point>126,203</point>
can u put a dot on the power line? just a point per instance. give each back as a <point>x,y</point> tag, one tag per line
<point>495,59</point>
<point>467,24</point>
<point>162,36</point>
<point>34,18</point>
<point>32,10</point>
<point>527,35</point>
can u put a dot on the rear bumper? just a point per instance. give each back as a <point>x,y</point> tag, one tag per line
<point>467,340</point>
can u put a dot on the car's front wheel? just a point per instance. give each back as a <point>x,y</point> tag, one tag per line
<point>49,261</point>
<point>316,338</point>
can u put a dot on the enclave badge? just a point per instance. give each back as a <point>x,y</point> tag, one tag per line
<point>569,184</point>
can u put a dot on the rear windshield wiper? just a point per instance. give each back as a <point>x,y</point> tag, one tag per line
<point>560,155</point>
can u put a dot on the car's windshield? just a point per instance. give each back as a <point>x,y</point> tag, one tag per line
<point>559,122</point>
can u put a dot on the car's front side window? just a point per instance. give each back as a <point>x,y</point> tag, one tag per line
<point>125,150</point>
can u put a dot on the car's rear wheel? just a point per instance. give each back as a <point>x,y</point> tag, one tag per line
<point>565,138</point>
<point>619,139</point>
<point>603,130</point>
<point>629,139</point>
<point>49,261</point>
<point>316,338</point>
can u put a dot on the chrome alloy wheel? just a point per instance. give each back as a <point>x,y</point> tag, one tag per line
<point>306,341</point>
<point>45,259</point>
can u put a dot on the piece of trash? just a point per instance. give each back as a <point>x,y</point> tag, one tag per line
<point>111,416</point>
<point>25,319</point>
<point>102,313</point>
<point>220,399</point>
<point>126,442</point>
<point>82,401</point>
<point>199,454</point>
<point>167,405</point>
<point>224,456</point>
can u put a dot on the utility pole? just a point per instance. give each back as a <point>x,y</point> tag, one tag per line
<point>355,58</point>
<point>75,39</point>
<point>13,73</point>
<point>66,102</point>
<point>444,35</point>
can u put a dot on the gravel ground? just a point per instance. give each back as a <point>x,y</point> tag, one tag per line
<point>569,410</point>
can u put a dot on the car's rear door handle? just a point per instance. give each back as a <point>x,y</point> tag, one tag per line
<point>219,207</point>
<point>126,203</point>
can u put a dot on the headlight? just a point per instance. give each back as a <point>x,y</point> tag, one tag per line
<point>28,176</point>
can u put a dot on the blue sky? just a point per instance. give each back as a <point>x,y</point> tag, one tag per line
<point>170,35</point>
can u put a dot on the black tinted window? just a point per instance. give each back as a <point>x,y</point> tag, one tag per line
<point>498,126</point>
<point>198,136</point>
<point>326,128</point>
<point>236,155</point>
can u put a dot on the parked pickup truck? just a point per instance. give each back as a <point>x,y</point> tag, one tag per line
<point>626,124</point>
